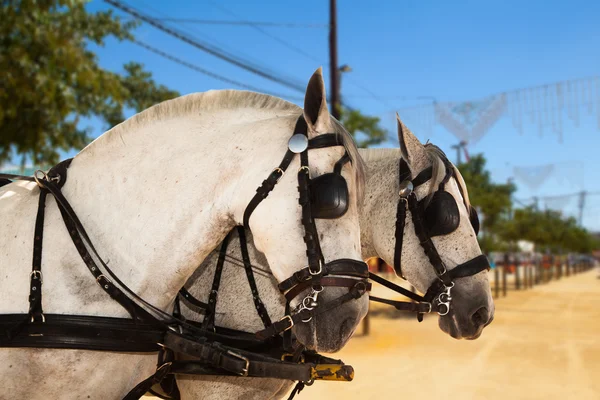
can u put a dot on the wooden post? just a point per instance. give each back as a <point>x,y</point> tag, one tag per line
<point>517,281</point>
<point>497,281</point>
<point>333,61</point>
<point>504,280</point>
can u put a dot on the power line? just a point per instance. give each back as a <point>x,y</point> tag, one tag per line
<point>262,31</point>
<point>300,51</point>
<point>244,23</point>
<point>209,73</point>
<point>204,46</point>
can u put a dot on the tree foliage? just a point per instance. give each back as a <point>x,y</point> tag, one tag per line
<point>51,79</point>
<point>365,130</point>
<point>492,199</point>
<point>548,229</point>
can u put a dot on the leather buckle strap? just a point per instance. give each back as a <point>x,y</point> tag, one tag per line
<point>244,371</point>
<point>345,267</point>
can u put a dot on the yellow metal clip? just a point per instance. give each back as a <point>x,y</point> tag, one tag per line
<point>332,372</point>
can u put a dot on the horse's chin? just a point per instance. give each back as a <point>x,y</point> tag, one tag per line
<point>448,325</point>
<point>324,340</point>
<point>330,331</point>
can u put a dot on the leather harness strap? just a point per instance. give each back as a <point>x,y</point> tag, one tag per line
<point>35,289</point>
<point>258,304</point>
<point>211,310</point>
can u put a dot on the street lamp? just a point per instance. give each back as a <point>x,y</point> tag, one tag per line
<point>340,70</point>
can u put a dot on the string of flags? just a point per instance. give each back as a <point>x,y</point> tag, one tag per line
<point>543,106</point>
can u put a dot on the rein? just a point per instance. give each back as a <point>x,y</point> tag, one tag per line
<point>215,351</point>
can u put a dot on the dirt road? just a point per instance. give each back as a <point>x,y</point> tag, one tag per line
<point>543,344</point>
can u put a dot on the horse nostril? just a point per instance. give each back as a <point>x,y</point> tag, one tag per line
<point>480,317</point>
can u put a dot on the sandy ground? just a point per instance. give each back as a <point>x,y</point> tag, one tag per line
<point>543,344</point>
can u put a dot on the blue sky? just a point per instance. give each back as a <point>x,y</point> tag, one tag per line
<point>403,51</point>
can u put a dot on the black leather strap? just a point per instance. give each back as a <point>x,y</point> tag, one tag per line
<point>399,236</point>
<point>470,268</point>
<point>260,307</point>
<point>192,300</point>
<point>269,184</point>
<point>211,310</point>
<point>419,307</point>
<point>324,140</point>
<point>35,287</point>
<point>144,386</point>
<point>394,287</point>
<point>342,266</point>
<point>80,332</point>
<point>311,237</point>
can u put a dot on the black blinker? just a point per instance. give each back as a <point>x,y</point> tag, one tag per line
<point>329,196</point>
<point>441,216</point>
<point>474,218</point>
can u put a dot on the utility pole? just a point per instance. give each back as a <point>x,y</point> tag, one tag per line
<point>458,147</point>
<point>333,61</point>
<point>581,206</point>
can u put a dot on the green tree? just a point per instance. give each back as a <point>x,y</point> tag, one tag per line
<point>492,199</point>
<point>51,79</point>
<point>365,130</point>
<point>549,230</point>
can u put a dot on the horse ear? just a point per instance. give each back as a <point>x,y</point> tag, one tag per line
<point>411,148</point>
<point>316,112</point>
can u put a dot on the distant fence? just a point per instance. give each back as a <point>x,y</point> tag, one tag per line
<point>525,275</point>
<point>507,275</point>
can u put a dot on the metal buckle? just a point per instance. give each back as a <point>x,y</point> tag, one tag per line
<point>319,271</point>
<point>282,172</point>
<point>429,307</point>
<point>37,273</point>
<point>43,321</point>
<point>291,322</point>
<point>285,356</point>
<point>239,356</point>
<point>304,168</point>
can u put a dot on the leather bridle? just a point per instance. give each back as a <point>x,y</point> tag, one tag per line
<point>215,350</point>
<point>438,296</point>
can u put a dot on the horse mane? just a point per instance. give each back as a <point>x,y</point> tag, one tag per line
<point>438,164</point>
<point>205,101</point>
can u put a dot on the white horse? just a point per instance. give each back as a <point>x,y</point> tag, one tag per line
<point>156,194</point>
<point>472,305</point>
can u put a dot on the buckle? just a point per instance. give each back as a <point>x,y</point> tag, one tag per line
<point>43,321</point>
<point>291,322</point>
<point>289,357</point>
<point>281,172</point>
<point>37,275</point>
<point>241,357</point>
<point>319,271</point>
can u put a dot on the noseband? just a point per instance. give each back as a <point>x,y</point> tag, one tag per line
<point>438,297</point>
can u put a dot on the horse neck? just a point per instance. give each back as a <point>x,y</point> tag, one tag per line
<point>379,192</point>
<point>156,200</point>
